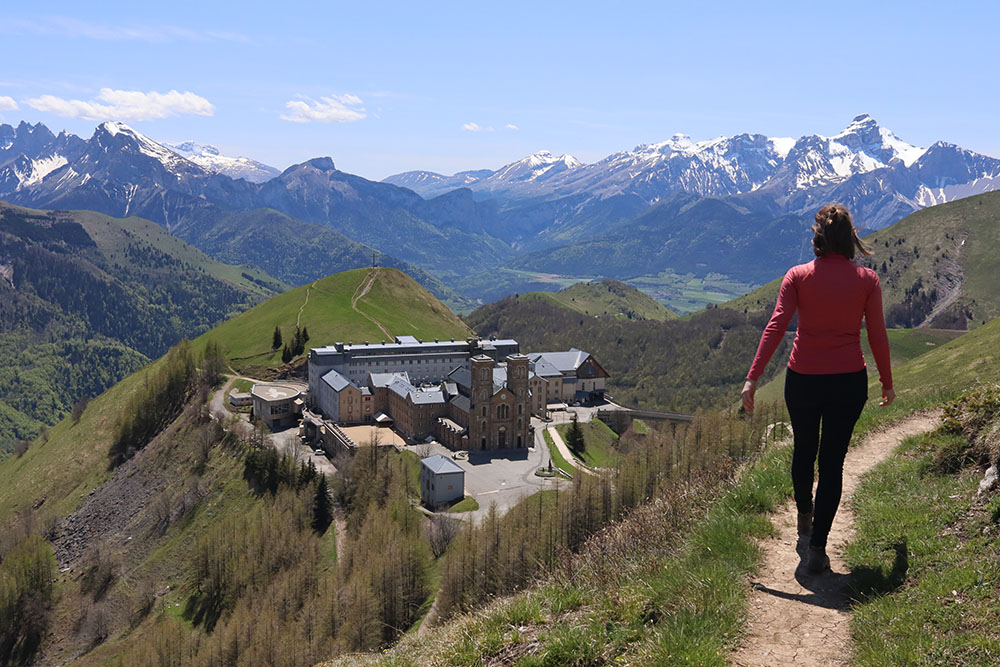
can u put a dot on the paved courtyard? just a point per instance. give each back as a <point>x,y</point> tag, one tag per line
<point>497,478</point>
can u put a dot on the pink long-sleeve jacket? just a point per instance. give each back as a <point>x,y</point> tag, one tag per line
<point>831,294</point>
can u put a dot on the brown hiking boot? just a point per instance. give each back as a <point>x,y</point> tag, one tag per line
<point>817,560</point>
<point>805,523</point>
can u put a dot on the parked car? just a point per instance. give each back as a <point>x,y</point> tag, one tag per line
<point>320,452</point>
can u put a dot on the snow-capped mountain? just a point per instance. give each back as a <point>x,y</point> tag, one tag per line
<point>539,168</point>
<point>210,159</point>
<point>121,172</point>
<point>118,171</point>
<point>784,168</point>
<point>29,153</point>
<point>431,184</point>
<point>527,175</point>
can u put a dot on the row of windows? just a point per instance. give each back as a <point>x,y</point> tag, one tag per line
<point>503,411</point>
<point>368,364</point>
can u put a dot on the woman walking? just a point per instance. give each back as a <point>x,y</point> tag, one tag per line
<point>826,383</point>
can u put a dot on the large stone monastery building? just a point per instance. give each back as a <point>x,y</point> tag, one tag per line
<point>474,394</point>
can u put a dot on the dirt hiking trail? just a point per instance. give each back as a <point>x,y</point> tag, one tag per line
<point>298,319</point>
<point>360,293</point>
<point>800,618</point>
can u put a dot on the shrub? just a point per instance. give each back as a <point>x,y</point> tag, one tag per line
<point>26,574</point>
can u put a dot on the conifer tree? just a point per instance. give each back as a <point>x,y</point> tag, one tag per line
<point>322,506</point>
<point>298,342</point>
<point>574,437</point>
<point>286,355</point>
<point>276,340</point>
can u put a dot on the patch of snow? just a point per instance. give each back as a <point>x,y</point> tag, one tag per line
<point>908,153</point>
<point>212,160</point>
<point>782,145</point>
<point>41,168</point>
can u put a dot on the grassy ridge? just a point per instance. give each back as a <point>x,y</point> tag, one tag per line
<point>394,300</point>
<point>114,236</point>
<point>923,559</point>
<point>927,594</point>
<point>608,297</point>
<point>913,257</point>
<point>295,251</point>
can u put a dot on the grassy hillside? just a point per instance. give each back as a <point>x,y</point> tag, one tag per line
<point>73,457</point>
<point>600,442</point>
<point>353,306</point>
<point>904,345</point>
<point>167,556</point>
<point>937,266</point>
<point>607,297</point>
<point>87,299</point>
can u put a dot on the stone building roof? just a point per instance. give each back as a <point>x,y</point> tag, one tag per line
<point>564,362</point>
<point>440,464</point>
<point>336,381</point>
<point>419,395</point>
<point>385,379</point>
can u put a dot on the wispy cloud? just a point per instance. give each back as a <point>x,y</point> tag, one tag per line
<point>345,108</point>
<point>476,127</point>
<point>68,26</point>
<point>113,104</point>
<point>7,104</point>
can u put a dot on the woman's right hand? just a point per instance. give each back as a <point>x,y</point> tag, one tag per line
<point>888,396</point>
<point>749,389</point>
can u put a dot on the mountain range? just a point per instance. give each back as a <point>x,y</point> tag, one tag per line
<point>843,165</point>
<point>120,172</point>
<point>701,208</point>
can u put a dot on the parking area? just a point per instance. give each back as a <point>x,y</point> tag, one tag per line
<point>287,441</point>
<point>503,478</point>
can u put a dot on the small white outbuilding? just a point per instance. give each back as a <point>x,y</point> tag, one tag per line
<point>442,481</point>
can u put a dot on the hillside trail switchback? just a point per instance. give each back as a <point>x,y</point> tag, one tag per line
<point>797,618</point>
<point>298,319</point>
<point>363,287</point>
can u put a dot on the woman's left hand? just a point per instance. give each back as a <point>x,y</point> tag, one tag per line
<point>749,389</point>
<point>888,396</point>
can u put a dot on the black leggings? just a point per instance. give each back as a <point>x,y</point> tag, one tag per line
<point>835,400</point>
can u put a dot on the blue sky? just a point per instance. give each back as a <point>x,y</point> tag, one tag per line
<point>389,87</point>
